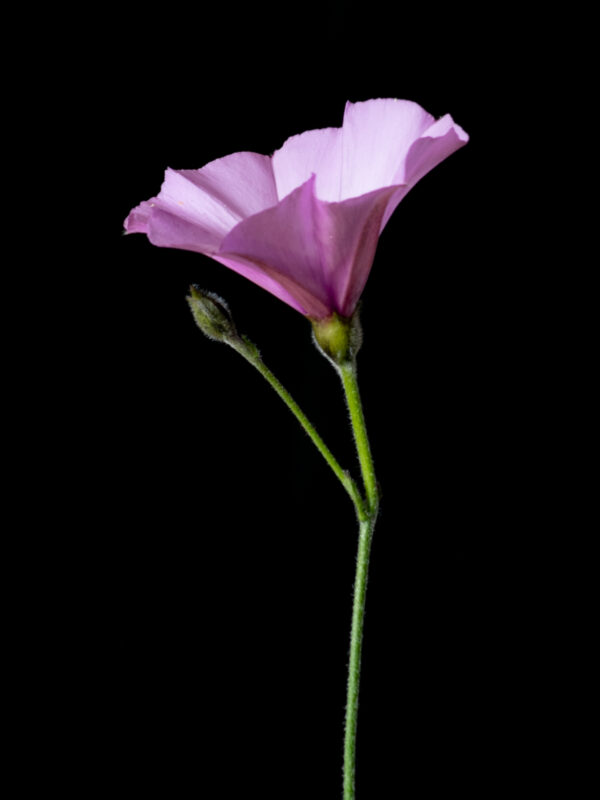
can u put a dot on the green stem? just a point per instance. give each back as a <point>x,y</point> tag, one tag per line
<point>347,372</point>
<point>250,352</point>
<point>356,637</point>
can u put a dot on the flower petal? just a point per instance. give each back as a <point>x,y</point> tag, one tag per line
<point>316,151</point>
<point>138,217</point>
<point>166,229</point>
<point>277,283</point>
<point>320,253</point>
<point>377,135</point>
<point>439,141</point>
<point>241,183</point>
<point>195,209</point>
<point>351,231</point>
<point>367,153</point>
<point>281,243</point>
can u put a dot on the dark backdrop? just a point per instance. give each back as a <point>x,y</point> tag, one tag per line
<point>218,561</point>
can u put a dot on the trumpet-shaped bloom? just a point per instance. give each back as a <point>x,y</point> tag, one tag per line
<point>303,223</point>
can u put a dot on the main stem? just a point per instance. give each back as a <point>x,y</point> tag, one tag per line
<point>347,372</point>
<point>356,637</point>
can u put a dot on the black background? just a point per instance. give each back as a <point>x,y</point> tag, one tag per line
<point>210,595</point>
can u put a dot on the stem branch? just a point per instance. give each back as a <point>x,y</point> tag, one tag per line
<point>250,352</point>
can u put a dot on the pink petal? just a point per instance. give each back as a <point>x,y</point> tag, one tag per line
<point>439,141</point>
<point>318,152</point>
<point>240,184</point>
<point>320,253</point>
<point>377,136</point>
<point>353,227</point>
<point>195,209</point>
<point>166,229</point>
<point>137,220</point>
<point>281,242</point>
<point>365,154</point>
<point>277,283</point>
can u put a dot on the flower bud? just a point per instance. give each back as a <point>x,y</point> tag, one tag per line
<point>338,338</point>
<point>212,315</point>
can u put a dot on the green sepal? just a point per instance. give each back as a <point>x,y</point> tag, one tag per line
<point>338,338</point>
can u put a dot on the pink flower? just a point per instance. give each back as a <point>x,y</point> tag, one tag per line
<point>303,223</point>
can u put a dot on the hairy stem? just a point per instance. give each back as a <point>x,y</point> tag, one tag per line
<point>347,372</point>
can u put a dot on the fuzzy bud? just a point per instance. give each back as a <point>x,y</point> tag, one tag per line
<point>212,315</point>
